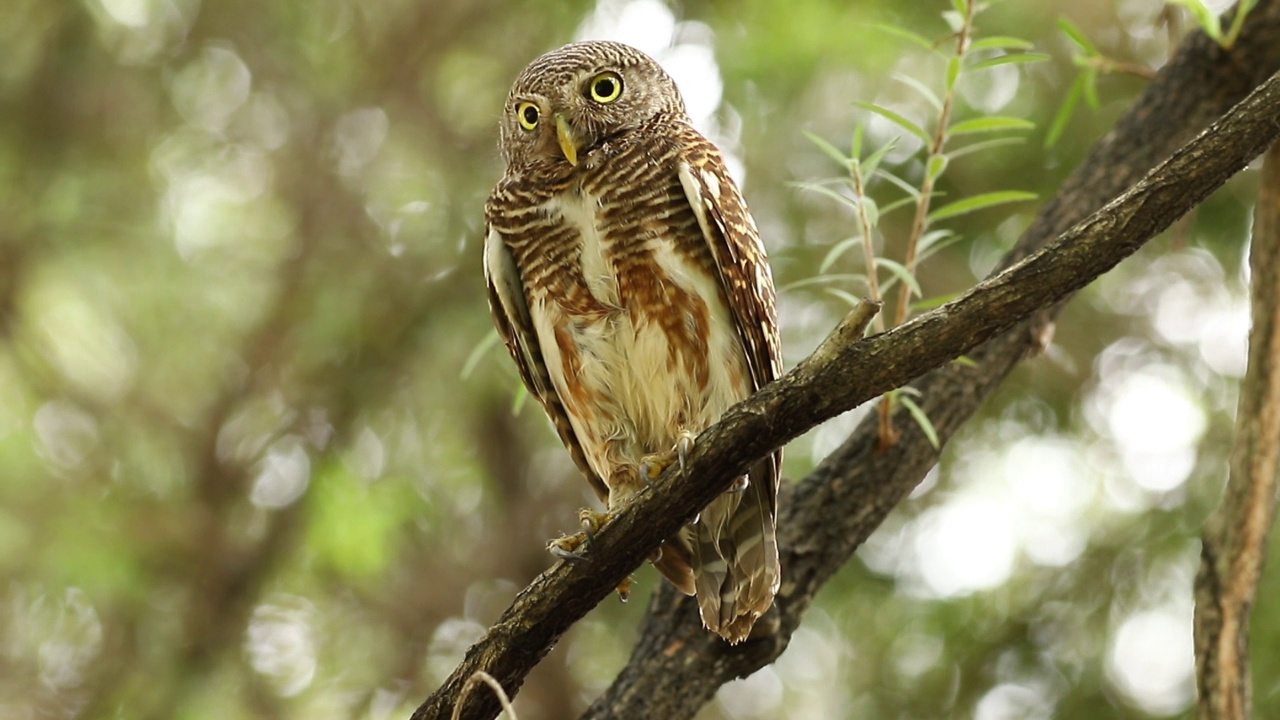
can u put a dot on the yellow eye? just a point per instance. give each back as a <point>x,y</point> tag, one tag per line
<point>606,87</point>
<point>527,114</point>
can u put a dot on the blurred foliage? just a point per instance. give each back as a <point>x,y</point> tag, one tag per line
<point>242,471</point>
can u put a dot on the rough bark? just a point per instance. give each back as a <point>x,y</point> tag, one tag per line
<point>1234,547</point>
<point>677,666</point>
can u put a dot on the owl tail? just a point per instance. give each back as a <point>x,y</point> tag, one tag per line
<point>735,556</point>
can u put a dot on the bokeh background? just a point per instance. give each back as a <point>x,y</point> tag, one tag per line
<point>261,455</point>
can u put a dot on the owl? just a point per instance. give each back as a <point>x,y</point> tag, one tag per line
<point>630,286</point>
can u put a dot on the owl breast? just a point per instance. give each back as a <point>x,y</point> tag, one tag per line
<point>631,350</point>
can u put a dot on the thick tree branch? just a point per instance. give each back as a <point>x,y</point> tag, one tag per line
<point>823,387</point>
<point>838,506</point>
<point>1235,537</point>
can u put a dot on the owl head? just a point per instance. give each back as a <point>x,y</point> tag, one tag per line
<point>568,102</point>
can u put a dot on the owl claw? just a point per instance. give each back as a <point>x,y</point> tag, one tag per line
<point>652,466</point>
<point>569,547</point>
<point>566,547</point>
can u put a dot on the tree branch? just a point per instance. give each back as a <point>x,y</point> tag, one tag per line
<point>1235,536</point>
<point>821,388</point>
<point>842,501</point>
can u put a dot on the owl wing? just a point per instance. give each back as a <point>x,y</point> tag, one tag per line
<point>736,528</point>
<point>510,309</point>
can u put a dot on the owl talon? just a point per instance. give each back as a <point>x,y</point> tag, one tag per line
<point>566,547</point>
<point>740,484</point>
<point>684,446</point>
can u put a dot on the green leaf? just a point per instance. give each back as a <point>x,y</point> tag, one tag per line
<point>905,186</point>
<point>1205,17</point>
<point>1009,59</point>
<point>1091,88</point>
<point>829,149</point>
<point>855,147</point>
<point>933,248</point>
<point>983,145</point>
<point>478,352</point>
<point>953,72</point>
<point>851,203</point>
<point>896,119</point>
<point>822,280</point>
<point>979,202</point>
<point>966,361</point>
<point>872,163</point>
<point>1063,116</point>
<point>925,92</point>
<point>994,123</point>
<point>936,166</point>
<point>905,35</point>
<point>900,202</point>
<point>922,420</point>
<point>853,300</point>
<point>961,6</point>
<point>836,251</point>
<point>1000,42</point>
<point>900,271</point>
<point>1077,36</point>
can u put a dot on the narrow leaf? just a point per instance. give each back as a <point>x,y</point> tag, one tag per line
<point>1065,112</point>
<point>1077,36</point>
<point>903,185</point>
<point>828,148</point>
<point>1009,59</point>
<point>922,420</point>
<point>900,202</point>
<point>900,271</point>
<point>905,35</point>
<point>953,72</point>
<point>845,200</point>
<point>836,251</point>
<point>993,123</point>
<point>853,300</point>
<point>966,361</point>
<point>979,202</point>
<point>822,280</point>
<point>478,352</point>
<point>872,162</point>
<point>925,92</point>
<point>983,145</point>
<point>936,166</point>
<point>855,147</point>
<point>1000,42</point>
<point>896,119</point>
<point>1205,17</point>
<point>1091,88</point>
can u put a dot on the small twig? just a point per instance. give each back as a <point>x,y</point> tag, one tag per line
<point>888,433</point>
<point>1234,547</point>
<point>476,678</point>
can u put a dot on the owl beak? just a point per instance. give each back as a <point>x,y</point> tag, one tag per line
<point>568,143</point>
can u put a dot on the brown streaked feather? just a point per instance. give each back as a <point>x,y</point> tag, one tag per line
<point>507,304</point>
<point>735,546</point>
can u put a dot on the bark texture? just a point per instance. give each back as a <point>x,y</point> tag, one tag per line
<point>1234,547</point>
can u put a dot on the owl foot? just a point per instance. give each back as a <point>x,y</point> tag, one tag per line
<point>652,466</point>
<point>740,484</point>
<point>568,547</point>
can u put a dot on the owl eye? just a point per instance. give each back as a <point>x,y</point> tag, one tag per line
<point>606,87</point>
<point>527,114</point>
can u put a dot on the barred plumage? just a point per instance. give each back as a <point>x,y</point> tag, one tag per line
<point>630,285</point>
